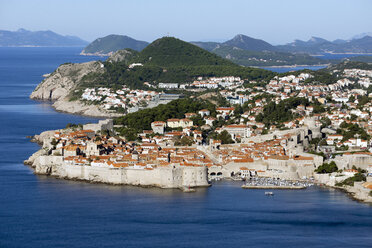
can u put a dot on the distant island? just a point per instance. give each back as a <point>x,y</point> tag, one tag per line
<point>107,45</point>
<point>26,38</point>
<point>318,45</point>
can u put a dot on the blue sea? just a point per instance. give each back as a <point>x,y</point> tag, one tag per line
<point>39,211</point>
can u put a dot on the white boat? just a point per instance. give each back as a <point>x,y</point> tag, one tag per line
<point>188,189</point>
<point>269,193</point>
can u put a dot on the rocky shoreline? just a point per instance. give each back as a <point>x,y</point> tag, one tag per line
<point>96,54</point>
<point>79,108</point>
<point>356,193</point>
<point>288,66</point>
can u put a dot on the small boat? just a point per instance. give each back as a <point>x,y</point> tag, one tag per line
<point>188,189</point>
<point>269,193</point>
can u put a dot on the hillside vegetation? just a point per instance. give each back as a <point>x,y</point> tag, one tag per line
<point>170,51</point>
<point>347,64</point>
<point>142,119</point>
<point>169,60</point>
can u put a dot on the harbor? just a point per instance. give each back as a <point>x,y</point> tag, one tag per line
<point>275,183</point>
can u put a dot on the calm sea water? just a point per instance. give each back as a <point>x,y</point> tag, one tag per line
<point>37,211</point>
<point>294,68</point>
<point>315,67</point>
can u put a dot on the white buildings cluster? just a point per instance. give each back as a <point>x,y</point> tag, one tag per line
<point>124,97</point>
<point>229,82</point>
<point>363,76</point>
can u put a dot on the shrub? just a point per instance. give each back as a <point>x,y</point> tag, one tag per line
<point>327,168</point>
<point>358,177</point>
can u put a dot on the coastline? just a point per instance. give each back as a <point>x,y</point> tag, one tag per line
<point>77,108</point>
<point>54,166</point>
<point>96,54</point>
<point>349,53</point>
<point>39,163</point>
<point>351,192</point>
<point>288,66</point>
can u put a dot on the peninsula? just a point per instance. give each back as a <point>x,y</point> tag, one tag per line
<point>186,117</point>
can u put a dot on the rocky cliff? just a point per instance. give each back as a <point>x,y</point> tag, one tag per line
<point>59,84</point>
<point>123,56</point>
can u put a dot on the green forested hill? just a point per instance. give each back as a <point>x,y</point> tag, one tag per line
<point>169,51</point>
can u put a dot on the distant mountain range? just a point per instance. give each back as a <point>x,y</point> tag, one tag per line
<point>240,41</point>
<point>248,51</point>
<point>317,45</point>
<point>23,37</point>
<point>112,43</point>
<point>241,49</point>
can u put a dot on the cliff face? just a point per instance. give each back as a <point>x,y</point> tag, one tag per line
<point>59,84</point>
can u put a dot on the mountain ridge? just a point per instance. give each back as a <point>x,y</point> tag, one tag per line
<point>249,51</point>
<point>319,45</point>
<point>172,51</point>
<point>248,43</point>
<point>24,38</point>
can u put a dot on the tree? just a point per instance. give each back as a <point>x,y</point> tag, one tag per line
<point>130,134</point>
<point>358,177</point>
<point>353,117</point>
<point>325,122</point>
<point>327,168</point>
<point>238,110</point>
<point>184,141</point>
<point>352,98</point>
<point>54,142</point>
<point>323,142</point>
<point>225,137</point>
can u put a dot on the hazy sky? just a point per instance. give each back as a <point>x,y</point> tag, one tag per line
<point>276,21</point>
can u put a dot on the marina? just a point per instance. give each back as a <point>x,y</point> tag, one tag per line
<point>274,183</point>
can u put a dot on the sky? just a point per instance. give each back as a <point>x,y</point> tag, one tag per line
<point>275,21</point>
